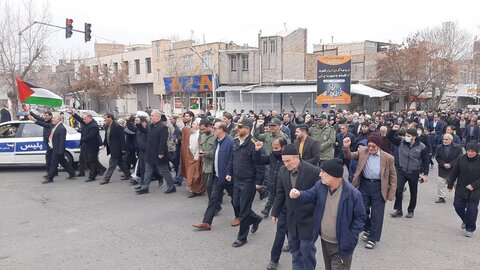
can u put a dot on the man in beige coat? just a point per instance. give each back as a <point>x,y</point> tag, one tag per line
<point>376,179</point>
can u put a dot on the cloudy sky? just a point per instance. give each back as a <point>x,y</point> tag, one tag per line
<point>142,21</point>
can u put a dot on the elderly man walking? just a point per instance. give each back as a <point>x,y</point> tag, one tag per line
<point>376,178</point>
<point>446,156</point>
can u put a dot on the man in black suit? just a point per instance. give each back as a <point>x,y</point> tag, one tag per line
<point>56,142</point>
<point>300,217</point>
<point>46,123</point>
<point>307,147</point>
<point>90,140</point>
<point>116,148</point>
<point>157,156</point>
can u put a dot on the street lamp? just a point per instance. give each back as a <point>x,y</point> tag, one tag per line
<point>214,80</point>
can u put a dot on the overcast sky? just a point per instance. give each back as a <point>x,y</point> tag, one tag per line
<point>142,21</point>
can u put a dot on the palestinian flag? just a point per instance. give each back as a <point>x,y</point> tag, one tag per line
<point>31,94</point>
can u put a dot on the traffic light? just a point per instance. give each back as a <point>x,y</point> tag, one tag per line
<point>88,31</point>
<point>68,28</point>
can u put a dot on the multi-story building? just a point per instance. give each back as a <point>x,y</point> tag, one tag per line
<point>137,60</point>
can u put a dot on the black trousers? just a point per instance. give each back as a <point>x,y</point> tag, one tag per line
<point>113,163</point>
<point>467,210</point>
<point>280,235</point>
<point>402,179</point>
<point>82,162</point>
<point>48,158</point>
<point>374,207</point>
<point>243,195</point>
<point>216,199</point>
<point>91,160</point>
<point>59,159</point>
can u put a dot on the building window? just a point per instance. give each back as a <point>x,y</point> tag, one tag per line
<point>206,60</point>
<point>115,67</point>
<point>125,67</point>
<point>273,46</point>
<point>159,76</point>
<point>233,62</point>
<point>265,46</point>
<point>245,62</point>
<point>95,70</point>
<point>148,62</point>
<point>137,66</point>
<point>159,51</point>
<point>187,63</point>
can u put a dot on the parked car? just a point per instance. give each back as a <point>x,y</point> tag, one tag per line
<point>21,143</point>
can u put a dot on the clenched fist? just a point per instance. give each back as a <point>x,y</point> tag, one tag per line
<point>294,193</point>
<point>347,142</point>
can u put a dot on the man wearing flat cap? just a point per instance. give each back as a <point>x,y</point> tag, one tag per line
<point>326,135</point>
<point>301,175</point>
<point>245,174</point>
<point>376,178</point>
<point>466,173</point>
<point>339,214</point>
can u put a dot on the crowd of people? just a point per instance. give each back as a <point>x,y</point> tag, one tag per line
<point>296,161</point>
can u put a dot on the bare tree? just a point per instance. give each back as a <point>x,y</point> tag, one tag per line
<point>14,19</point>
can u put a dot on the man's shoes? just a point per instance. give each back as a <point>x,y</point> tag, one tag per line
<point>264,194</point>
<point>440,200</point>
<point>396,214</point>
<point>468,234</point>
<point>255,225</point>
<point>409,215</point>
<point>286,248</point>
<point>82,174</point>
<point>192,195</point>
<point>235,222</point>
<point>141,191</point>
<point>365,236</point>
<point>71,177</point>
<point>203,226</point>
<point>139,187</point>
<point>172,190</point>
<point>90,180</point>
<point>370,244</point>
<point>101,172</point>
<point>133,183</point>
<point>272,266</point>
<point>45,176</point>
<point>239,243</point>
<point>265,212</point>
<point>46,181</point>
<point>104,182</point>
<point>463,226</point>
<point>126,177</point>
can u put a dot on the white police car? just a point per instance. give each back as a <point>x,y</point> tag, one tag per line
<point>21,142</point>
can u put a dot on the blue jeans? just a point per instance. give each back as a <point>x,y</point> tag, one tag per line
<point>303,253</point>
<point>467,210</point>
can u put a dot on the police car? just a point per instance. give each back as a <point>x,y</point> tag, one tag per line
<point>21,142</point>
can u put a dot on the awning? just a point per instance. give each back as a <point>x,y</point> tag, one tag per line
<point>238,88</point>
<point>357,89</point>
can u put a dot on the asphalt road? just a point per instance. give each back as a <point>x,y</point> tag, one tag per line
<point>71,224</point>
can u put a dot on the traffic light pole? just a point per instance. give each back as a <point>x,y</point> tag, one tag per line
<point>20,40</point>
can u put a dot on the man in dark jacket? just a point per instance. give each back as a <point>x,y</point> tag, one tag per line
<point>447,154</point>
<point>141,143</point>
<point>339,214</point>
<point>90,140</point>
<point>56,141</point>
<point>302,175</point>
<point>156,154</point>
<point>274,160</point>
<point>222,152</point>
<point>413,160</point>
<point>467,192</point>
<point>246,176</point>
<point>46,123</point>
<point>116,148</point>
<point>308,148</point>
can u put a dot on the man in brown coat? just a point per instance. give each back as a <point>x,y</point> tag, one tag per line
<point>376,179</point>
